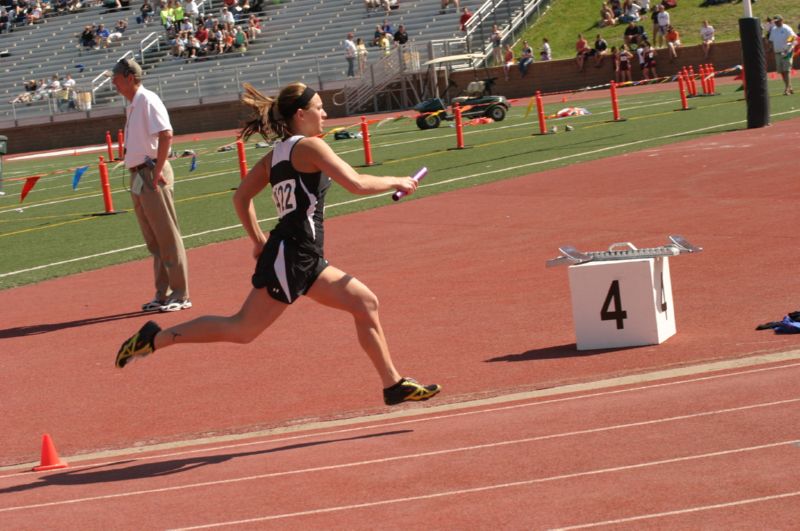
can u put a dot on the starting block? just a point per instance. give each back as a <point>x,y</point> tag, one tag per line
<point>622,297</point>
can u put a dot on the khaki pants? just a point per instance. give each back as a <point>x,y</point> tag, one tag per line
<point>155,212</point>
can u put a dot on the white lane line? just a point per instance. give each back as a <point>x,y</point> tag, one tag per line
<point>472,176</point>
<point>685,511</point>
<point>369,427</point>
<point>490,487</point>
<point>419,455</point>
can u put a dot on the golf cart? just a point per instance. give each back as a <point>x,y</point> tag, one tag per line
<point>476,101</point>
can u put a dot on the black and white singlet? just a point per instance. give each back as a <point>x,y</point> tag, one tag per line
<point>293,256</point>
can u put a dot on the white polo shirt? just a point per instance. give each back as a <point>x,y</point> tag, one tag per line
<point>147,116</point>
<point>782,38</point>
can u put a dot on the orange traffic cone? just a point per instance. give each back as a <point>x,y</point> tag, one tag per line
<point>50,459</point>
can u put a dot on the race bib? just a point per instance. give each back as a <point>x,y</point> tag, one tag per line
<point>284,198</point>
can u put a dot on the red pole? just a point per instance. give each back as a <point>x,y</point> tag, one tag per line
<point>242,159</point>
<point>110,146</point>
<point>120,144</point>
<point>365,138</point>
<point>614,101</point>
<point>682,89</point>
<point>106,187</point>
<point>540,112</point>
<point>459,126</point>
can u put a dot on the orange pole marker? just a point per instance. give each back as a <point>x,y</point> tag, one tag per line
<point>682,89</point>
<point>50,459</point>
<point>614,101</point>
<point>106,187</point>
<point>110,146</point>
<point>692,82</point>
<point>120,144</point>
<point>242,159</point>
<point>365,138</point>
<point>459,126</point>
<point>713,79</point>
<point>540,112</point>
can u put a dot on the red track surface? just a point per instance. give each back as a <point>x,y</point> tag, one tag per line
<point>467,303</point>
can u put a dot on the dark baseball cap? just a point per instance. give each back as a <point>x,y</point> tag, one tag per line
<point>127,66</point>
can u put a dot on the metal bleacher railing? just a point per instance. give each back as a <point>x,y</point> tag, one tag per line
<point>286,52</point>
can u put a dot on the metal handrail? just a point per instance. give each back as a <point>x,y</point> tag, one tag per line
<point>103,78</point>
<point>144,45</point>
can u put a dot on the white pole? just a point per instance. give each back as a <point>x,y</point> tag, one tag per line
<point>748,9</point>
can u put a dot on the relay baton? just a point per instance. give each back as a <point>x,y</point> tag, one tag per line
<point>398,195</point>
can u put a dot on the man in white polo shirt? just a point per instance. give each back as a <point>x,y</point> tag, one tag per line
<point>148,138</point>
<point>782,38</point>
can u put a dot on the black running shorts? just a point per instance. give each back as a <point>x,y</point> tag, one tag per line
<point>286,270</point>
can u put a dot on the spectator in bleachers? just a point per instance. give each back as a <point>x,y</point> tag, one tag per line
<point>371,5</point>
<point>227,40</point>
<point>119,30</point>
<point>240,42</point>
<point>178,44</point>
<point>73,5</point>
<point>401,35</point>
<point>361,53</point>
<point>191,10</point>
<point>253,27</point>
<point>145,13</point>
<point>167,14</point>
<point>545,53</point>
<point>466,14</point>
<point>187,25</point>
<point>496,38</point>
<point>377,35</point>
<point>178,14</point>
<point>350,55</point>
<point>193,47</point>
<point>445,3</point>
<point>607,17</point>
<point>202,35</point>
<point>87,38</point>
<point>214,39</point>
<point>385,43</point>
<point>644,6</point>
<point>387,28</point>
<point>54,85</point>
<point>226,17</point>
<point>35,14</point>
<point>525,58</point>
<point>616,8</point>
<point>4,20</point>
<point>101,36</point>
<point>707,37</point>
<point>388,5</point>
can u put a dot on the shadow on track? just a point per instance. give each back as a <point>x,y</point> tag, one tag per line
<point>21,331</point>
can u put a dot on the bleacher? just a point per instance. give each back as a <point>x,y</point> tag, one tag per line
<point>300,40</point>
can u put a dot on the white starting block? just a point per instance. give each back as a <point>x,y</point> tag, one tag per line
<point>622,298</point>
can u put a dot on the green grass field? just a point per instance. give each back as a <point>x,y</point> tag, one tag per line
<point>565,19</point>
<point>53,233</point>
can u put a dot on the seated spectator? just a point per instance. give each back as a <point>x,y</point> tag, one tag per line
<point>388,5</point>
<point>387,28</point>
<point>101,35</point>
<point>119,30</point>
<point>385,43</point>
<point>371,5</point>
<point>630,12</point>
<point>73,5</point>
<point>167,15</point>
<point>35,14</point>
<point>227,41</point>
<point>545,54</point>
<point>508,59</point>
<point>190,9</point>
<point>582,51</point>
<point>401,35</point>
<point>54,85</point>
<point>187,25</point>
<point>226,17</point>
<point>707,37</point>
<point>466,14</point>
<point>179,45</point>
<point>525,59</point>
<point>87,38</point>
<point>634,34</point>
<point>253,27</point>
<point>445,3</point>
<point>145,13</point>
<point>607,17</point>
<point>193,47</point>
<point>4,20</point>
<point>202,35</point>
<point>673,42</point>
<point>112,4</point>
<point>377,35</point>
<point>599,50</point>
<point>616,7</point>
<point>214,39</point>
<point>240,42</point>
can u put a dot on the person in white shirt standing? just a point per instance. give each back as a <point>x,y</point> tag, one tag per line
<point>148,139</point>
<point>350,54</point>
<point>662,20</point>
<point>782,39</point>
<point>707,37</point>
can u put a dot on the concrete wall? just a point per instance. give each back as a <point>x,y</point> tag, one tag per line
<point>552,76</point>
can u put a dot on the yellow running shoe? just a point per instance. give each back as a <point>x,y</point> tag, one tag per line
<point>139,344</point>
<point>408,389</point>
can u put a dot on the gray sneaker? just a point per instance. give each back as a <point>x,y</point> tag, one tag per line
<point>175,305</point>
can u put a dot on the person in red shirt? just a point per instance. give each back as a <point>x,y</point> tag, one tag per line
<point>466,14</point>
<point>582,49</point>
<point>202,35</point>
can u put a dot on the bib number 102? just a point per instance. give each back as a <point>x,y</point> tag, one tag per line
<point>612,307</point>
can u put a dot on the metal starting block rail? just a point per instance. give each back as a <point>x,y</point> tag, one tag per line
<point>572,256</point>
